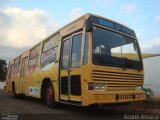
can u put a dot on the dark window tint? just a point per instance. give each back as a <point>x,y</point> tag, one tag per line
<point>76,50</point>
<point>86,49</point>
<point>65,56</point>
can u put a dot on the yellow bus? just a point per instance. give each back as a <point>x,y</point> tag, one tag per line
<point>92,60</point>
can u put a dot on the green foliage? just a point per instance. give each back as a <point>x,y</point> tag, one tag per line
<point>149,93</point>
<point>3,70</point>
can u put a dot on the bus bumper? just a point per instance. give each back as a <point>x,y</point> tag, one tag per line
<point>110,97</point>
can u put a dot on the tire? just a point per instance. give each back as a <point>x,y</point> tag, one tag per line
<point>50,97</point>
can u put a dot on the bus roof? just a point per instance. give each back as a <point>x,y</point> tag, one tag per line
<point>85,17</point>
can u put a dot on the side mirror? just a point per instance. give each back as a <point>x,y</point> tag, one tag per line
<point>135,46</point>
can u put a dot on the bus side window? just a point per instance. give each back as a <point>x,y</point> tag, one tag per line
<point>9,72</point>
<point>34,56</point>
<point>65,54</point>
<point>16,67</point>
<point>24,66</point>
<point>85,59</point>
<point>76,50</point>
<point>49,51</point>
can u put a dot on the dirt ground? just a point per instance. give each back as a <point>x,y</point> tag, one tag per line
<point>33,109</point>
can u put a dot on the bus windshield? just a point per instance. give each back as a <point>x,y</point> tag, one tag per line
<point>114,49</point>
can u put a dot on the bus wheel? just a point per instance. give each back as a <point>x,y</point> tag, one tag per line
<point>49,96</point>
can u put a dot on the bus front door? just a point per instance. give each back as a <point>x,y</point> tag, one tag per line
<point>70,73</point>
<point>23,84</point>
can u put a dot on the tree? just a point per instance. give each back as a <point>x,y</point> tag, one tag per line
<point>3,70</point>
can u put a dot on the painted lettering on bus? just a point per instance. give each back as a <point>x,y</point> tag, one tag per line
<point>49,55</point>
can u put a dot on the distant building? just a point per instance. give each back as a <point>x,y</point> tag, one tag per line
<point>152,75</point>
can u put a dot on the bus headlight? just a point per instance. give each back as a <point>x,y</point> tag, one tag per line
<point>139,87</point>
<point>99,86</point>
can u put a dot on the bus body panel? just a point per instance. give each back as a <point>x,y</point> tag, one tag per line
<point>29,76</point>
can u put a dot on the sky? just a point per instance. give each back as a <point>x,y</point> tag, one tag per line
<point>24,23</point>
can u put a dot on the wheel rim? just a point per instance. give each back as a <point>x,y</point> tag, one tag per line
<point>49,95</point>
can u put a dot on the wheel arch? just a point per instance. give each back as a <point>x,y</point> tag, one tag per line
<point>13,83</point>
<point>45,82</point>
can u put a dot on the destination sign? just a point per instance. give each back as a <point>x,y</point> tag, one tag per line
<point>112,25</point>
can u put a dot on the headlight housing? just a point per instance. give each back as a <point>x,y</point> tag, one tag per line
<point>99,86</point>
<point>139,87</point>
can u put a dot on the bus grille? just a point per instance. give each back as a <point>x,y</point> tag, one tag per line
<point>118,80</point>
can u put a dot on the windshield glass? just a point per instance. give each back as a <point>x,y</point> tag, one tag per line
<point>113,49</point>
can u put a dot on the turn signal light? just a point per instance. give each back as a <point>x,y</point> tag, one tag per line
<point>90,86</point>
